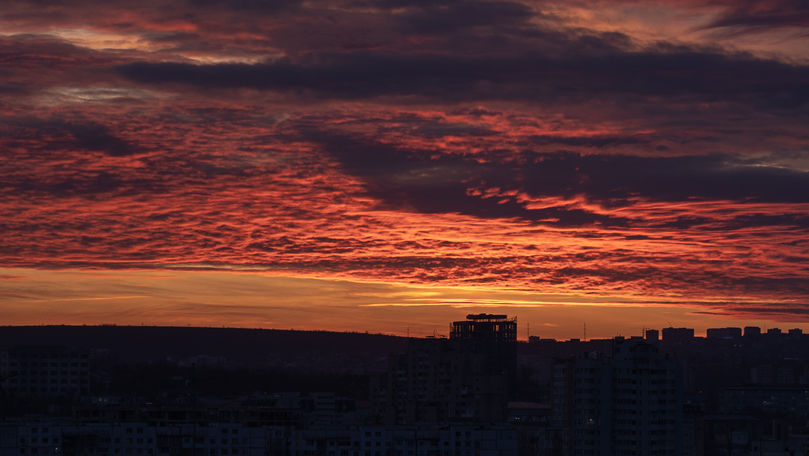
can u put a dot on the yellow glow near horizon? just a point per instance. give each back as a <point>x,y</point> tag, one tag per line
<point>256,300</point>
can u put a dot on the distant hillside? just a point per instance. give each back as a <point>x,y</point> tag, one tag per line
<point>149,343</point>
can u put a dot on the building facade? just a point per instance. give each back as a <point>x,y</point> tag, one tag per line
<point>627,403</point>
<point>44,371</point>
<point>466,378</point>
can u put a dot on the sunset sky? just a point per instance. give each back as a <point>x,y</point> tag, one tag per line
<point>393,165</point>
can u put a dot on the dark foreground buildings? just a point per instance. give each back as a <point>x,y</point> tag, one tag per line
<point>628,402</point>
<point>466,378</point>
<point>46,371</point>
<point>477,392</point>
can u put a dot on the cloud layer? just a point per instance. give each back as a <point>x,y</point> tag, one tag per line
<point>515,145</point>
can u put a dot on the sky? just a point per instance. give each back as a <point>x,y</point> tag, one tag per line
<point>392,165</point>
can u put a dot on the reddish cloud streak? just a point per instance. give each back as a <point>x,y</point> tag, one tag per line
<point>485,144</point>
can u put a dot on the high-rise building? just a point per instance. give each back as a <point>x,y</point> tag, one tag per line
<point>492,336</point>
<point>45,371</point>
<point>629,403</point>
<point>467,377</point>
<point>752,331</point>
<point>723,333</point>
<point>677,335</point>
<point>485,329</point>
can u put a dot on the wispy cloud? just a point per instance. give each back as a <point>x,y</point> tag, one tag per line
<point>503,145</point>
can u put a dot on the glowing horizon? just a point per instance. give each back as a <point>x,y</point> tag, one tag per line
<point>256,300</point>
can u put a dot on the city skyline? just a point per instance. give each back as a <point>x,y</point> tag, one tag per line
<point>382,166</point>
<point>76,389</point>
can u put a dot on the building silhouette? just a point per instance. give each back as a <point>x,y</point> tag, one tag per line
<point>492,336</point>
<point>677,335</point>
<point>723,333</point>
<point>626,403</point>
<point>468,377</point>
<point>45,371</point>
<point>449,396</point>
